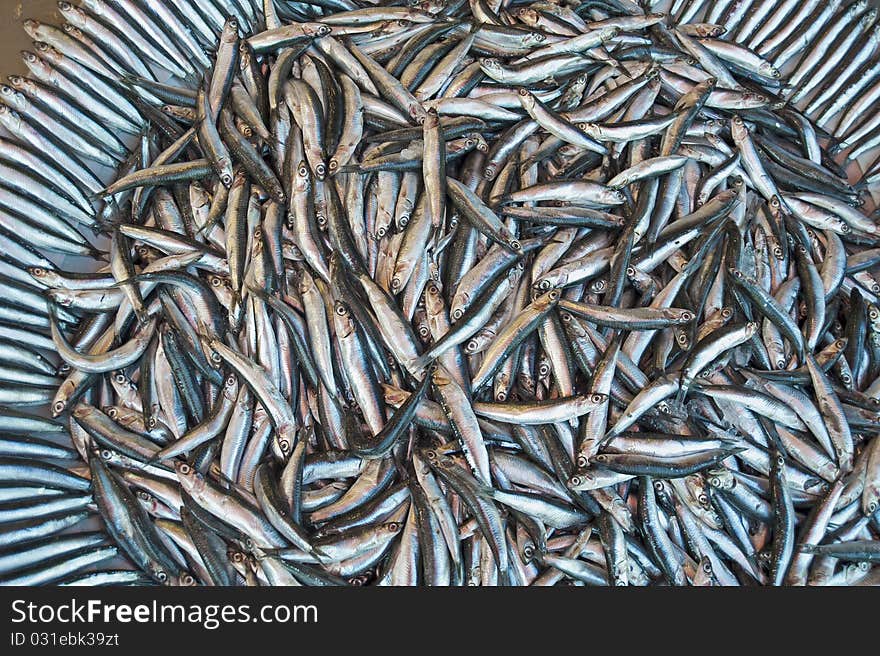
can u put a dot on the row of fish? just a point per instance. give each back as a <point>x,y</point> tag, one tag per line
<point>448,293</point>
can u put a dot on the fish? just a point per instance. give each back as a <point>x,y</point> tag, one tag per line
<point>441,294</point>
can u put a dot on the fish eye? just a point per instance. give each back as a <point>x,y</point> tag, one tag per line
<point>574,481</point>
<point>162,576</point>
<point>554,295</point>
<point>597,398</point>
<point>59,406</point>
<point>184,469</point>
<point>284,445</point>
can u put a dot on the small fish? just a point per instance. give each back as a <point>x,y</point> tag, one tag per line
<point>441,294</point>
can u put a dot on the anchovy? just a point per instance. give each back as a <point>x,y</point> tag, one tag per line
<point>441,294</point>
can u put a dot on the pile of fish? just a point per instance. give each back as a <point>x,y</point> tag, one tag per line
<point>332,292</point>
